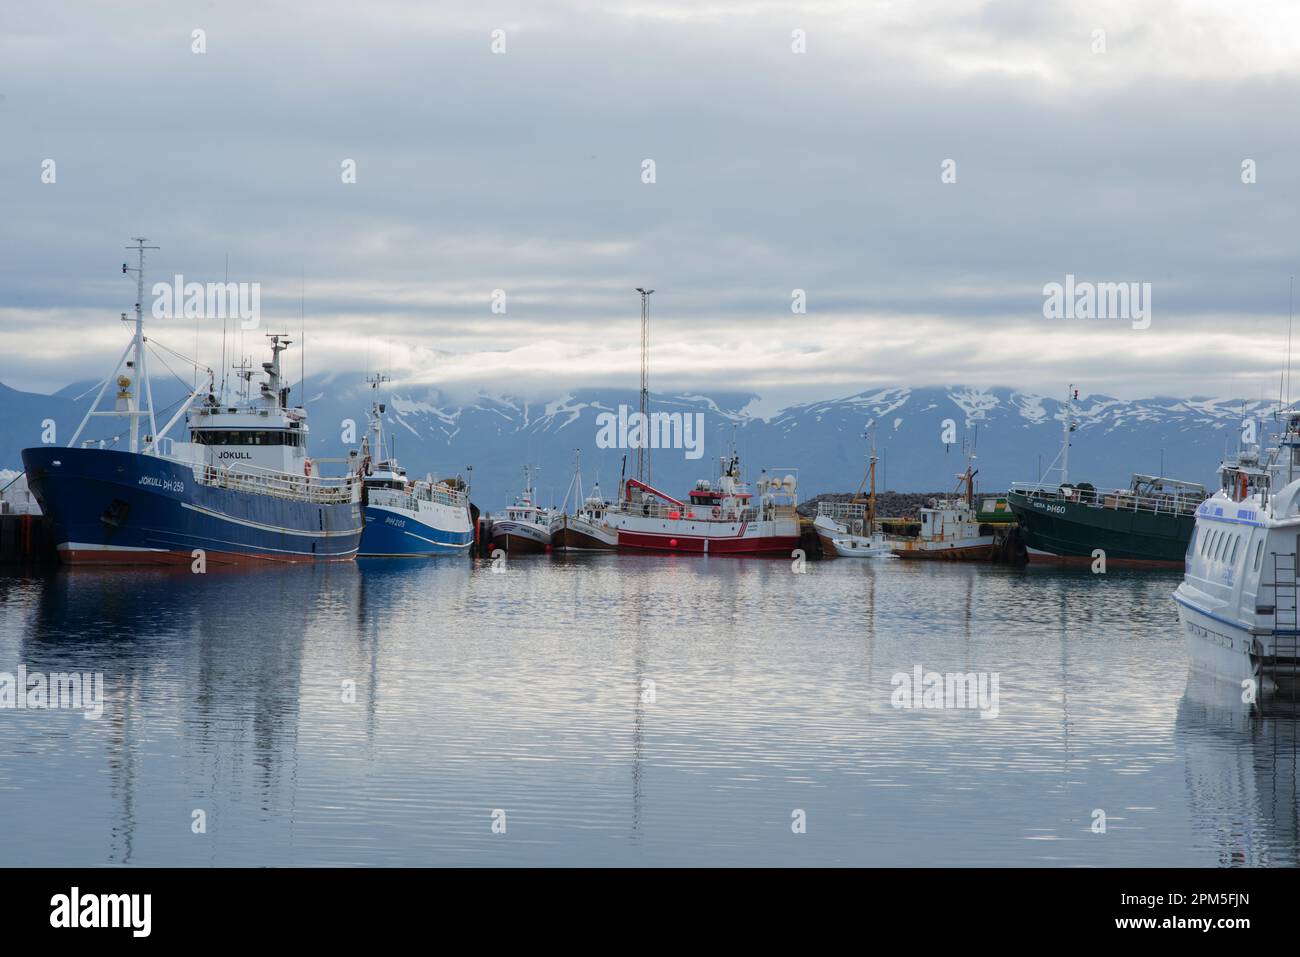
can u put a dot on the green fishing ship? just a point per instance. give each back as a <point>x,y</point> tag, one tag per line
<point>1149,523</point>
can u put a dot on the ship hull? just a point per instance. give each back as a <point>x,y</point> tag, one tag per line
<point>640,534</point>
<point>980,550</point>
<point>852,548</point>
<point>520,538</point>
<point>698,545</point>
<point>400,533</point>
<point>583,537</point>
<point>1056,531</point>
<point>1215,644</point>
<point>112,508</point>
<point>827,531</point>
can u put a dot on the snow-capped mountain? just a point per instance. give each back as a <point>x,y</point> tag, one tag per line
<point>1015,434</point>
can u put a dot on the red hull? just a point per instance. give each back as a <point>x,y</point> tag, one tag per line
<point>772,545</point>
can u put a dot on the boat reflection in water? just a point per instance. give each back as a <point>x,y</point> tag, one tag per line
<point>1241,761</point>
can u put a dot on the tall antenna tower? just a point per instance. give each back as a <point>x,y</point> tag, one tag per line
<point>643,452</point>
<point>140,371</point>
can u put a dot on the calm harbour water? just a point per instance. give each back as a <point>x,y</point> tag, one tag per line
<point>524,691</point>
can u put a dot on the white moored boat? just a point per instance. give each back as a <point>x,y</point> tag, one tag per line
<point>848,529</point>
<point>1237,602</point>
<point>950,527</point>
<point>525,528</point>
<point>586,529</point>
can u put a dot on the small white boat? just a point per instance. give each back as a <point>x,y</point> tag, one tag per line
<point>848,529</point>
<point>857,546</point>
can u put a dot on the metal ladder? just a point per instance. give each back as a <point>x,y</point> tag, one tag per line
<point>1286,613</point>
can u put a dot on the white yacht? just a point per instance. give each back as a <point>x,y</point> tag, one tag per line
<point>1237,602</point>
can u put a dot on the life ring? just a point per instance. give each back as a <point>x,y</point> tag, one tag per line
<point>306,467</point>
<point>717,512</point>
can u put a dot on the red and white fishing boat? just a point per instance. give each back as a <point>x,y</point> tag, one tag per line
<point>719,518</point>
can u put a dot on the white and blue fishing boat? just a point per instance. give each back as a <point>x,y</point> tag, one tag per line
<point>406,518</point>
<point>241,489</point>
<point>1240,595</point>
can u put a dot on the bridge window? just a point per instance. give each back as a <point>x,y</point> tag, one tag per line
<point>247,437</point>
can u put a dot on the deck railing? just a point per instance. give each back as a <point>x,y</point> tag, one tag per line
<point>438,494</point>
<point>303,488</point>
<point>843,511</point>
<point>1183,502</point>
<point>703,513</point>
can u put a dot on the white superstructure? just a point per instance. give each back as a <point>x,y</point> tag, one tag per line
<point>1237,602</point>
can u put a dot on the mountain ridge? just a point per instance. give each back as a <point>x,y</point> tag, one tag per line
<point>1015,433</point>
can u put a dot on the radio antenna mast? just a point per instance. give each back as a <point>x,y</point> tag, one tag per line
<point>643,452</point>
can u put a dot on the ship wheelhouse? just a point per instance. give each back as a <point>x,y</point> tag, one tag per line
<point>292,436</point>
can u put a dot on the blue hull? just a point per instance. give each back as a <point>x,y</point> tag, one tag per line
<point>397,533</point>
<point>109,507</point>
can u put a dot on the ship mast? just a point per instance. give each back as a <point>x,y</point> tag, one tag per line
<point>871,503</point>
<point>1068,427</point>
<point>137,347</point>
<point>577,483</point>
<point>377,417</point>
<point>643,452</point>
<point>870,476</point>
<point>128,399</point>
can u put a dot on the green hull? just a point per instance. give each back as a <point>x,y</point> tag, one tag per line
<point>1054,530</point>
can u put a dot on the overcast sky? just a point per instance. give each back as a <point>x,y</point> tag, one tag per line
<point>775,170</point>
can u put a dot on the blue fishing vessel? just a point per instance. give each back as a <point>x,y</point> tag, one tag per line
<point>240,488</point>
<point>407,518</point>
